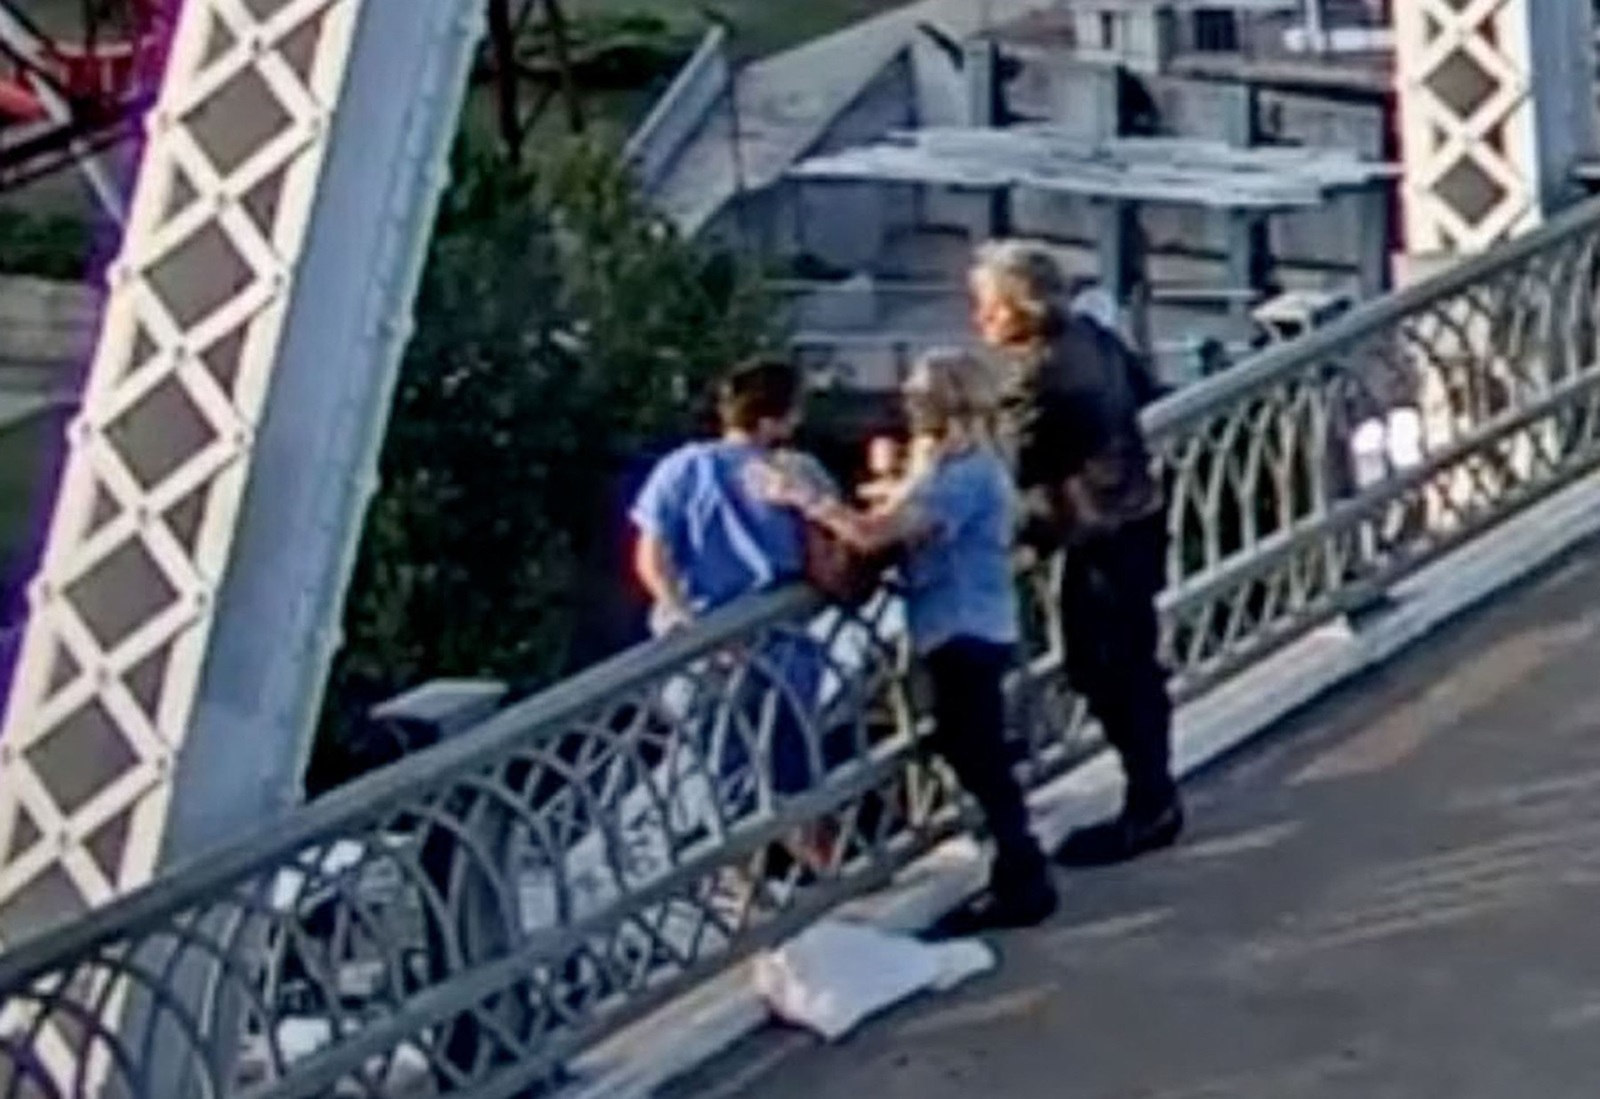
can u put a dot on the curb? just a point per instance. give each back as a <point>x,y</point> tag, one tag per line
<point>706,1022</point>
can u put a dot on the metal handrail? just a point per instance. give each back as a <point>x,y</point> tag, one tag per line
<point>1365,321</point>
<point>389,788</point>
<point>1272,533</point>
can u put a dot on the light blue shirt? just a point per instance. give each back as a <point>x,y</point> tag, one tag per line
<point>959,583</point>
<point>723,541</point>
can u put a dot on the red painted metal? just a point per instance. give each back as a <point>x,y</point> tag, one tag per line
<point>106,84</point>
<point>18,104</point>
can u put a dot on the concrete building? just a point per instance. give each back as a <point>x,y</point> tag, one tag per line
<point>1152,139</point>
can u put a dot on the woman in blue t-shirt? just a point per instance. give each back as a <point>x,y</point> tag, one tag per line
<point>955,518</point>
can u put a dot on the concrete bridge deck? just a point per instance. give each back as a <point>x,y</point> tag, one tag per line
<point>1393,896</point>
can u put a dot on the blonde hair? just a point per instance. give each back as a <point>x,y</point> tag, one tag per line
<point>960,392</point>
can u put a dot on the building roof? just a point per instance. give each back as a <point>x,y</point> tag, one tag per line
<point>1157,170</point>
<point>785,103</point>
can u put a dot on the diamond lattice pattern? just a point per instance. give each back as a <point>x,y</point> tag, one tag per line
<point>120,613</point>
<point>1467,120</point>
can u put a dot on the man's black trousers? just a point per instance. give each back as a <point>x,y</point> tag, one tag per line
<point>1109,586</point>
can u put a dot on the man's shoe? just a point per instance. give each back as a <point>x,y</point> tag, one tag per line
<point>991,911</point>
<point>1122,839</point>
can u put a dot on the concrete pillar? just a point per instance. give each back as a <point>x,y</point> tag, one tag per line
<point>1247,261</point>
<point>986,109</point>
<point>1373,208</point>
<point>1244,118</point>
<point>1001,222</point>
<point>984,93</point>
<point>1316,27</point>
<point>1116,258</point>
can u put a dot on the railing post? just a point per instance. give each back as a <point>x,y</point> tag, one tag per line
<point>473,882</point>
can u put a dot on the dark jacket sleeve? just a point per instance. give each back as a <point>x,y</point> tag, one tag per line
<point>1058,431</point>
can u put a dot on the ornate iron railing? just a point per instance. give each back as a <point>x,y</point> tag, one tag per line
<point>1310,479</point>
<point>466,920</point>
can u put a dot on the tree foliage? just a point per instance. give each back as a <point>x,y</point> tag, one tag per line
<point>46,246</point>
<point>562,328</point>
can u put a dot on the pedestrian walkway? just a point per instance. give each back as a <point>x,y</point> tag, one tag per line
<point>1392,897</point>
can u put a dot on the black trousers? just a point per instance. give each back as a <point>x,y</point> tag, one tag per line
<point>1109,586</point>
<point>968,677</point>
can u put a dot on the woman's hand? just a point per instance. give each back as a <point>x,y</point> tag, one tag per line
<point>671,616</point>
<point>768,483</point>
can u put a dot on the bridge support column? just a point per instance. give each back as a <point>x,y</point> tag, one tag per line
<point>1497,113</point>
<point>192,582</point>
<point>191,586</point>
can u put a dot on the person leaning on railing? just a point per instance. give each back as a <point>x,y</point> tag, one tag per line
<point>705,541</point>
<point>954,518</point>
<point>1072,430</point>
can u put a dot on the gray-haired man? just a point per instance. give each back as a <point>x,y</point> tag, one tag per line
<point>1072,425</point>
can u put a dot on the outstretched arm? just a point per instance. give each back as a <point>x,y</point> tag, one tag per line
<point>872,532</point>
<point>867,532</point>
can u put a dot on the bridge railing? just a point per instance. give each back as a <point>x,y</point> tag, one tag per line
<point>464,921</point>
<point>1306,482</point>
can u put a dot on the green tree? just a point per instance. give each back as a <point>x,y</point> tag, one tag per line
<point>562,328</point>
<point>47,246</point>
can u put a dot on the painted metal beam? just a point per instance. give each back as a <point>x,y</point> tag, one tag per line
<point>191,584</point>
<point>1496,113</point>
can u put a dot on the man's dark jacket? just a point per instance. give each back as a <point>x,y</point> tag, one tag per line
<point>1071,426</point>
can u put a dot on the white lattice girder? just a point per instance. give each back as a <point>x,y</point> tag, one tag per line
<point>123,606</point>
<point>1496,114</point>
<point>1487,139</point>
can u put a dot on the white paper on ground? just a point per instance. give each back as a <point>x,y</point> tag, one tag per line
<point>835,975</point>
